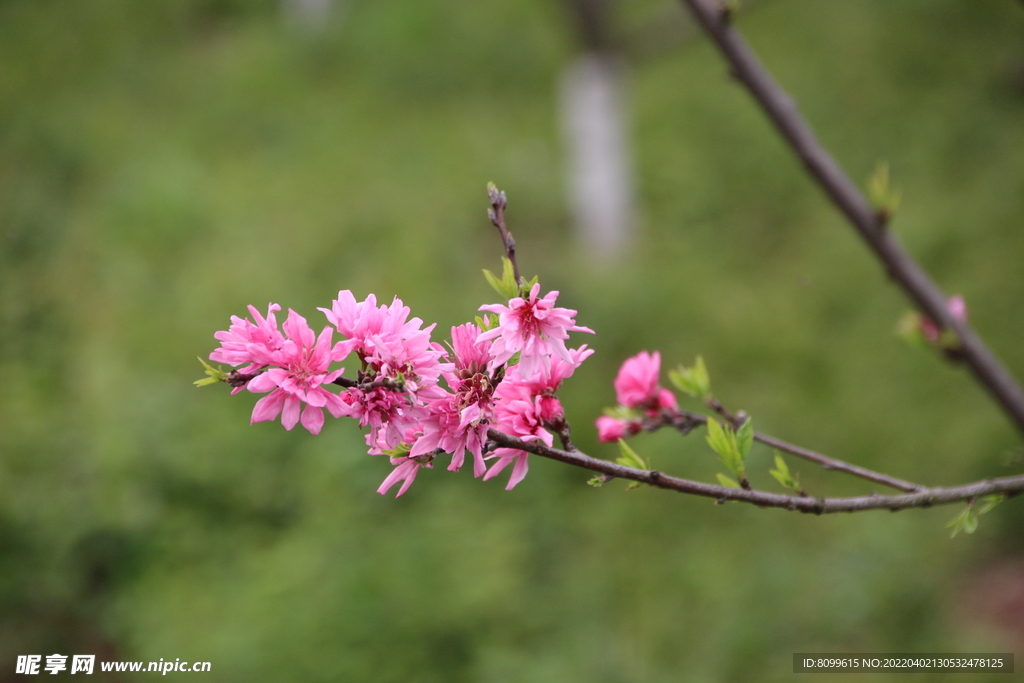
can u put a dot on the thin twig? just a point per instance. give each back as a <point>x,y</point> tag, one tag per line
<point>384,383</point>
<point>685,421</point>
<point>497,215</point>
<point>1009,486</point>
<point>783,112</point>
<point>734,419</point>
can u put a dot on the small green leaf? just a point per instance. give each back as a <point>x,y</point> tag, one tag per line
<point>717,439</point>
<point>693,381</point>
<point>487,322</point>
<point>909,329</point>
<point>745,438</point>
<point>506,286</point>
<point>401,450</point>
<point>596,481</point>
<point>723,441</point>
<point>989,502</point>
<point>966,521</point>
<point>726,481</point>
<point>508,276</point>
<point>782,474</point>
<point>525,288</point>
<point>884,198</point>
<point>629,457</point>
<point>215,374</point>
<point>498,285</point>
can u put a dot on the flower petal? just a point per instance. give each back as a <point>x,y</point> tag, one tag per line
<point>290,413</point>
<point>313,419</point>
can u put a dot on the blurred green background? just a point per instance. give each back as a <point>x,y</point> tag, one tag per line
<point>163,163</point>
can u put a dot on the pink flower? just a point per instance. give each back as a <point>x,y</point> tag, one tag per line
<point>472,355</point>
<point>392,348</point>
<point>532,327</point>
<point>363,322</point>
<point>507,456</point>
<point>521,413</point>
<point>613,429</point>
<point>636,385</point>
<point>458,420</point>
<point>405,471</point>
<point>303,361</point>
<point>548,380</point>
<point>957,308</point>
<point>245,342</point>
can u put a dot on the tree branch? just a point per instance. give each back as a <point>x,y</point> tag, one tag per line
<point>497,215</point>
<point>783,112</point>
<point>1009,486</point>
<point>684,421</point>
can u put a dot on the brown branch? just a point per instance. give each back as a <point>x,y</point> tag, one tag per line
<point>384,383</point>
<point>1009,486</point>
<point>497,215</point>
<point>736,420</point>
<point>684,421</point>
<point>786,117</point>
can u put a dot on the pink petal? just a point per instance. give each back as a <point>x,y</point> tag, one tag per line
<point>268,407</point>
<point>313,419</point>
<point>336,405</point>
<point>497,467</point>
<point>518,472</point>
<point>261,384</point>
<point>290,414</point>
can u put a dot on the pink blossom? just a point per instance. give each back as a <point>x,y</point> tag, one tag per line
<point>532,327</point>
<point>392,348</point>
<point>957,308</point>
<point>507,456</point>
<point>521,413</point>
<point>458,420</point>
<point>245,342</point>
<point>548,380</point>
<point>406,469</point>
<point>364,322</point>
<point>471,354</point>
<point>613,429</point>
<point>303,362</point>
<point>636,385</point>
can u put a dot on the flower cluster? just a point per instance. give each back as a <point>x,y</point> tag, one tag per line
<point>417,398</point>
<point>638,392</point>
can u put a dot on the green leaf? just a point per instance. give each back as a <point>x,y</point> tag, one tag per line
<point>956,524</point>
<point>782,474</point>
<point>909,329</point>
<point>402,449</point>
<point>726,481</point>
<point>884,198</point>
<point>629,457</point>
<point>506,287</point>
<point>693,381</point>
<point>723,441</point>
<point>215,374</point>
<point>989,502</point>
<point>966,521</point>
<point>488,321</point>
<point>596,481</point>
<point>745,438</point>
